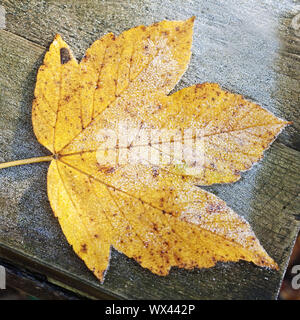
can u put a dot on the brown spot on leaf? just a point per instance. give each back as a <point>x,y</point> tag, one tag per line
<point>155,172</point>
<point>213,207</point>
<point>105,169</point>
<point>64,55</point>
<point>83,248</point>
<point>236,172</point>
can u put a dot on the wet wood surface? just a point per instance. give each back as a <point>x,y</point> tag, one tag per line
<point>251,48</point>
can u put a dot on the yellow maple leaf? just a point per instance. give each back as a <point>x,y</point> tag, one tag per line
<point>126,156</point>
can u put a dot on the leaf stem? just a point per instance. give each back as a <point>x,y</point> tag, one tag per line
<point>25,161</point>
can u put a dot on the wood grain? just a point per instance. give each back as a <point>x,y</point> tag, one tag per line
<point>249,48</point>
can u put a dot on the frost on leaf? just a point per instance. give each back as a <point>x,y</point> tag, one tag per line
<point>128,156</point>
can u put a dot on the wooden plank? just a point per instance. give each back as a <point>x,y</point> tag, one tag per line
<point>34,285</point>
<point>249,48</point>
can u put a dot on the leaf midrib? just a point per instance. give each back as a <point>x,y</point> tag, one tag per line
<point>163,142</point>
